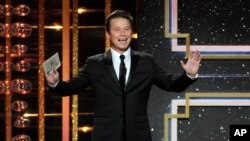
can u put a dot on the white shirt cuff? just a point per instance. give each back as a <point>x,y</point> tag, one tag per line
<point>196,76</point>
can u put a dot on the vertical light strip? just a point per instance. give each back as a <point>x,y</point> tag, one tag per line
<point>41,136</point>
<point>8,112</point>
<point>107,12</point>
<point>75,70</point>
<point>66,68</point>
<point>166,17</point>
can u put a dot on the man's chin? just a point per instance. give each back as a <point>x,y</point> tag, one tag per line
<point>121,48</point>
<point>125,48</point>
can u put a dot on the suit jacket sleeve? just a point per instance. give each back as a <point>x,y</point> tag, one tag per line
<point>76,84</point>
<point>169,82</point>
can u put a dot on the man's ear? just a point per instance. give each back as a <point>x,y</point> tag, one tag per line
<point>107,34</point>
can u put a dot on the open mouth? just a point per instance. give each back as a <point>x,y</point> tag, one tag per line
<point>122,40</point>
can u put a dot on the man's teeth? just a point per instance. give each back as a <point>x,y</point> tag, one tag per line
<point>122,40</point>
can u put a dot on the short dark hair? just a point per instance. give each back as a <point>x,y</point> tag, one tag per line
<point>118,14</point>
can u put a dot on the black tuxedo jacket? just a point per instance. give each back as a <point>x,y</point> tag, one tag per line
<point>99,73</point>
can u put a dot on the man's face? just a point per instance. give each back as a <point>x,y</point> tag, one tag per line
<point>120,34</point>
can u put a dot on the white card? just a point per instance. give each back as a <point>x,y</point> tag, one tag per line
<point>52,63</point>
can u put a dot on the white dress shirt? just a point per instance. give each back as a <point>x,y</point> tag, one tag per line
<point>116,61</point>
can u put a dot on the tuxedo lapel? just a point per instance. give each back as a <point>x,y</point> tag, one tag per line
<point>134,61</point>
<point>109,64</point>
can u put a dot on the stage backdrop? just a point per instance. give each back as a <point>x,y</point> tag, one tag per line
<point>220,97</point>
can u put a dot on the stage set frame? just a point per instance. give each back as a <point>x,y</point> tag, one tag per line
<point>199,99</point>
<point>208,51</point>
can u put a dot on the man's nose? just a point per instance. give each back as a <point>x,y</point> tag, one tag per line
<point>123,32</point>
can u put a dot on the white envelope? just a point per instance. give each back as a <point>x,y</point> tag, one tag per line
<point>52,63</point>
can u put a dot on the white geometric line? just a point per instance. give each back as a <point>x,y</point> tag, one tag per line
<point>201,102</point>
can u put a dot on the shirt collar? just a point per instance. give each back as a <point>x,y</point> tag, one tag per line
<point>116,55</point>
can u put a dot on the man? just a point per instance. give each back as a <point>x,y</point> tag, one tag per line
<point>122,86</point>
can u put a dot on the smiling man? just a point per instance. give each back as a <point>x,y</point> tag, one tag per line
<point>122,79</point>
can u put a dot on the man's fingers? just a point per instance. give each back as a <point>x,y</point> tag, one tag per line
<point>195,55</point>
<point>182,64</point>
